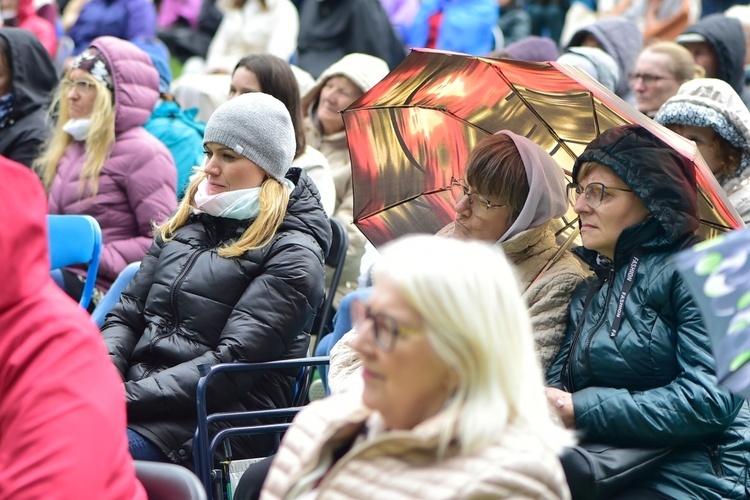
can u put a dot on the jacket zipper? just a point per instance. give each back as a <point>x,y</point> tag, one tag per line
<point>714,452</point>
<point>587,350</point>
<point>566,375</point>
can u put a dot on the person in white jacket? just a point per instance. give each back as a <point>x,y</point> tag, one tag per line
<point>248,27</point>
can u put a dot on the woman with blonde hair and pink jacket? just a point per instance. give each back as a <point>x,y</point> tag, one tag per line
<point>100,161</point>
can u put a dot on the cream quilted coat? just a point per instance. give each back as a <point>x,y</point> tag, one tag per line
<point>401,464</point>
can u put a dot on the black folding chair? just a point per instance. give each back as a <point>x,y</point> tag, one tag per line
<point>204,448</point>
<point>335,259</point>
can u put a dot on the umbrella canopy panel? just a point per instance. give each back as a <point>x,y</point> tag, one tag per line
<point>414,130</point>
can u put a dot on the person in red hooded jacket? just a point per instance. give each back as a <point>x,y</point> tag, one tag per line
<point>62,409</point>
<point>22,14</point>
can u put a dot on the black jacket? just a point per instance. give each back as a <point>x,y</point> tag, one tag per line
<point>34,80</point>
<point>187,306</point>
<point>331,29</point>
<point>726,37</point>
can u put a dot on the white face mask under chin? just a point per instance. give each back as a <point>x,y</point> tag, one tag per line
<point>77,128</point>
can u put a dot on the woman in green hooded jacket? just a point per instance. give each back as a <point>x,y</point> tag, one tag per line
<point>636,368</point>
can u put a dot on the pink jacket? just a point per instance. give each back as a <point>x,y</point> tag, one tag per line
<point>29,20</point>
<point>62,406</point>
<point>137,185</point>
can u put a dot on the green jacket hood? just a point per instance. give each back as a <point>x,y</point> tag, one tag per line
<point>661,177</point>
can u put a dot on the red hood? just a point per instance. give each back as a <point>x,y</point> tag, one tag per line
<point>24,261</point>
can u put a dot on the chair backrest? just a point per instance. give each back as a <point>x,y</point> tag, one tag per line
<point>75,239</point>
<point>168,481</point>
<point>113,294</point>
<point>335,259</point>
<point>205,447</point>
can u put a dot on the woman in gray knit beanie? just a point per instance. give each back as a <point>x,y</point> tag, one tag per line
<point>236,274</point>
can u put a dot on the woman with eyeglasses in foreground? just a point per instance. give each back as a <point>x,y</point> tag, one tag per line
<point>453,403</point>
<point>511,195</point>
<point>636,367</point>
<point>101,162</point>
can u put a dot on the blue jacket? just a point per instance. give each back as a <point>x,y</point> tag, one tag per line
<point>127,19</point>
<point>653,384</point>
<point>466,25</point>
<point>182,134</point>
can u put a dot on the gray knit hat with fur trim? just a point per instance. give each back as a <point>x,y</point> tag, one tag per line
<point>258,127</point>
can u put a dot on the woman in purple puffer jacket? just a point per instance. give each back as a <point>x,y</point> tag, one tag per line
<point>102,162</point>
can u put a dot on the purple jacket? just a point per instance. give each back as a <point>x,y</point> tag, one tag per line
<point>127,19</point>
<point>137,185</point>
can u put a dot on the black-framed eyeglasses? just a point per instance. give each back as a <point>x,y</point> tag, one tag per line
<point>384,327</point>
<point>594,192</point>
<point>647,79</point>
<point>81,86</point>
<point>479,204</point>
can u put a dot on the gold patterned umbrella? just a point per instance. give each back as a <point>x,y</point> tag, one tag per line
<point>414,130</point>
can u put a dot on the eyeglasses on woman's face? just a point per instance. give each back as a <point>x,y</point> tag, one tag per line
<point>81,86</point>
<point>646,78</point>
<point>385,328</point>
<point>479,204</point>
<point>594,191</point>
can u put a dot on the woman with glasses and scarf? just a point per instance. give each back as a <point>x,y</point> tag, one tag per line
<point>636,367</point>
<point>453,403</point>
<point>512,195</point>
<point>101,162</point>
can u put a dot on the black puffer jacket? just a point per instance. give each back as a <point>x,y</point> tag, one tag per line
<point>187,306</point>
<point>34,80</point>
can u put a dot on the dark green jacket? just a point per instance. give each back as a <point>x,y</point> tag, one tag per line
<point>653,383</point>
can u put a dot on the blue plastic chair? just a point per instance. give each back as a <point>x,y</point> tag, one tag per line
<point>75,239</point>
<point>113,294</point>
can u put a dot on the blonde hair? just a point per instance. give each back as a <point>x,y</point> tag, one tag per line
<point>273,200</point>
<point>479,325</point>
<point>682,64</point>
<point>98,144</point>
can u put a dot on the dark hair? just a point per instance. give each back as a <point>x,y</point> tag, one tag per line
<point>276,78</point>
<point>495,168</point>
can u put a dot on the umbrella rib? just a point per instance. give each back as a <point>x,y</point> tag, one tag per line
<point>533,111</point>
<point>402,143</point>
<point>405,200</point>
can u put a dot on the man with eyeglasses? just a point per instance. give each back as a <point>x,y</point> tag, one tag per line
<point>717,43</point>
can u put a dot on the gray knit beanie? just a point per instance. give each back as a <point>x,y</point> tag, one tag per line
<point>258,127</point>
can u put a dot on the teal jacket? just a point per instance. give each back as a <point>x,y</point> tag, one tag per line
<point>182,134</point>
<point>653,383</point>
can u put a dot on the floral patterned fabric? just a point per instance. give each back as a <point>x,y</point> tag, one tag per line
<point>92,61</point>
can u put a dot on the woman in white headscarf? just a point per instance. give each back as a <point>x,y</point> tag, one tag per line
<point>511,192</point>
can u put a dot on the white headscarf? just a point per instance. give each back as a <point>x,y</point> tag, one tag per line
<point>547,198</point>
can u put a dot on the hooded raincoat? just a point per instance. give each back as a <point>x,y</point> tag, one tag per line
<point>651,381</point>
<point>620,38</point>
<point>364,71</point>
<point>710,102</point>
<point>62,414</point>
<point>137,185</point>
<point>34,81</point>
<point>28,19</point>
<point>726,37</point>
